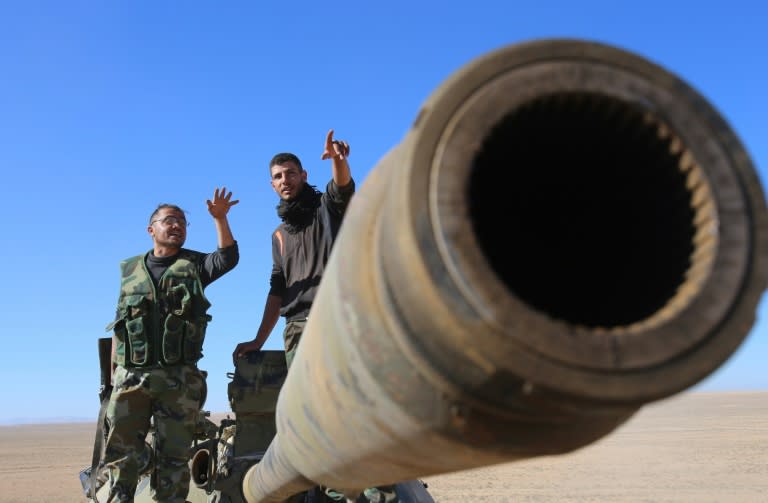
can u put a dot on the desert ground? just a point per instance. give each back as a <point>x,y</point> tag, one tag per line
<point>695,447</point>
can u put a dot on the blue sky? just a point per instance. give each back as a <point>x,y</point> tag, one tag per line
<point>109,108</point>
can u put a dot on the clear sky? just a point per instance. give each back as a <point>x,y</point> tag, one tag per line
<point>109,108</point>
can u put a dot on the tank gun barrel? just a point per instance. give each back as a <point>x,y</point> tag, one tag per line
<point>567,233</point>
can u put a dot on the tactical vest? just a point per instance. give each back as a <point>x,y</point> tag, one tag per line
<point>163,326</point>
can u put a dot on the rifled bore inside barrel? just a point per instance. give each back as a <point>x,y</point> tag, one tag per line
<point>600,208</point>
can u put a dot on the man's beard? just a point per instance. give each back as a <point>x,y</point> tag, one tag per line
<point>168,243</point>
<point>299,212</point>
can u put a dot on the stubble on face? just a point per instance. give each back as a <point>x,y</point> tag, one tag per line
<point>168,237</point>
<point>287,180</point>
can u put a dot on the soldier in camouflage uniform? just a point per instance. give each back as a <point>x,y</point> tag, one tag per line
<point>158,338</point>
<point>301,246</point>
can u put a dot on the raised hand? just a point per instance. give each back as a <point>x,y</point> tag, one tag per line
<point>221,203</point>
<point>336,149</point>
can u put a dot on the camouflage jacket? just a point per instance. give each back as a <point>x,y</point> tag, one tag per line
<point>165,325</point>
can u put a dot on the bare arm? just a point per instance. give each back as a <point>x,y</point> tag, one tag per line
<point>268,322</point>
<point>338,152</point>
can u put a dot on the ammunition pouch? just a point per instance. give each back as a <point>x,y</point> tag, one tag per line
<point>181,340</point>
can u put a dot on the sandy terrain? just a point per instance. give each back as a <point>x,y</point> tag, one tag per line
<point>697,447</point>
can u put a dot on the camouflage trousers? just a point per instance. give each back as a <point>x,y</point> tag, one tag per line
<point>382,494</point>
<point>170,396</point>
<point>291,337</point>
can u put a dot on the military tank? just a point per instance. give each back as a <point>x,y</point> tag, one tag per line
<point>223,452</point>
<point>567,233</point>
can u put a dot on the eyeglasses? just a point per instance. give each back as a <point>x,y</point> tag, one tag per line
<point>171,220</point>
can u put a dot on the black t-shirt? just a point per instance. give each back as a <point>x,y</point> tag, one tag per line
<point>298,260</point>
<point>213,266</point>
<point>210,268</point>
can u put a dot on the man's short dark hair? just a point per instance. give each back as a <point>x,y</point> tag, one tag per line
<point>284,157</point>
<point>165,205</point>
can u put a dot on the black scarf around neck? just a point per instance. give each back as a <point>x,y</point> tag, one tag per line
<point>299,212</point>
